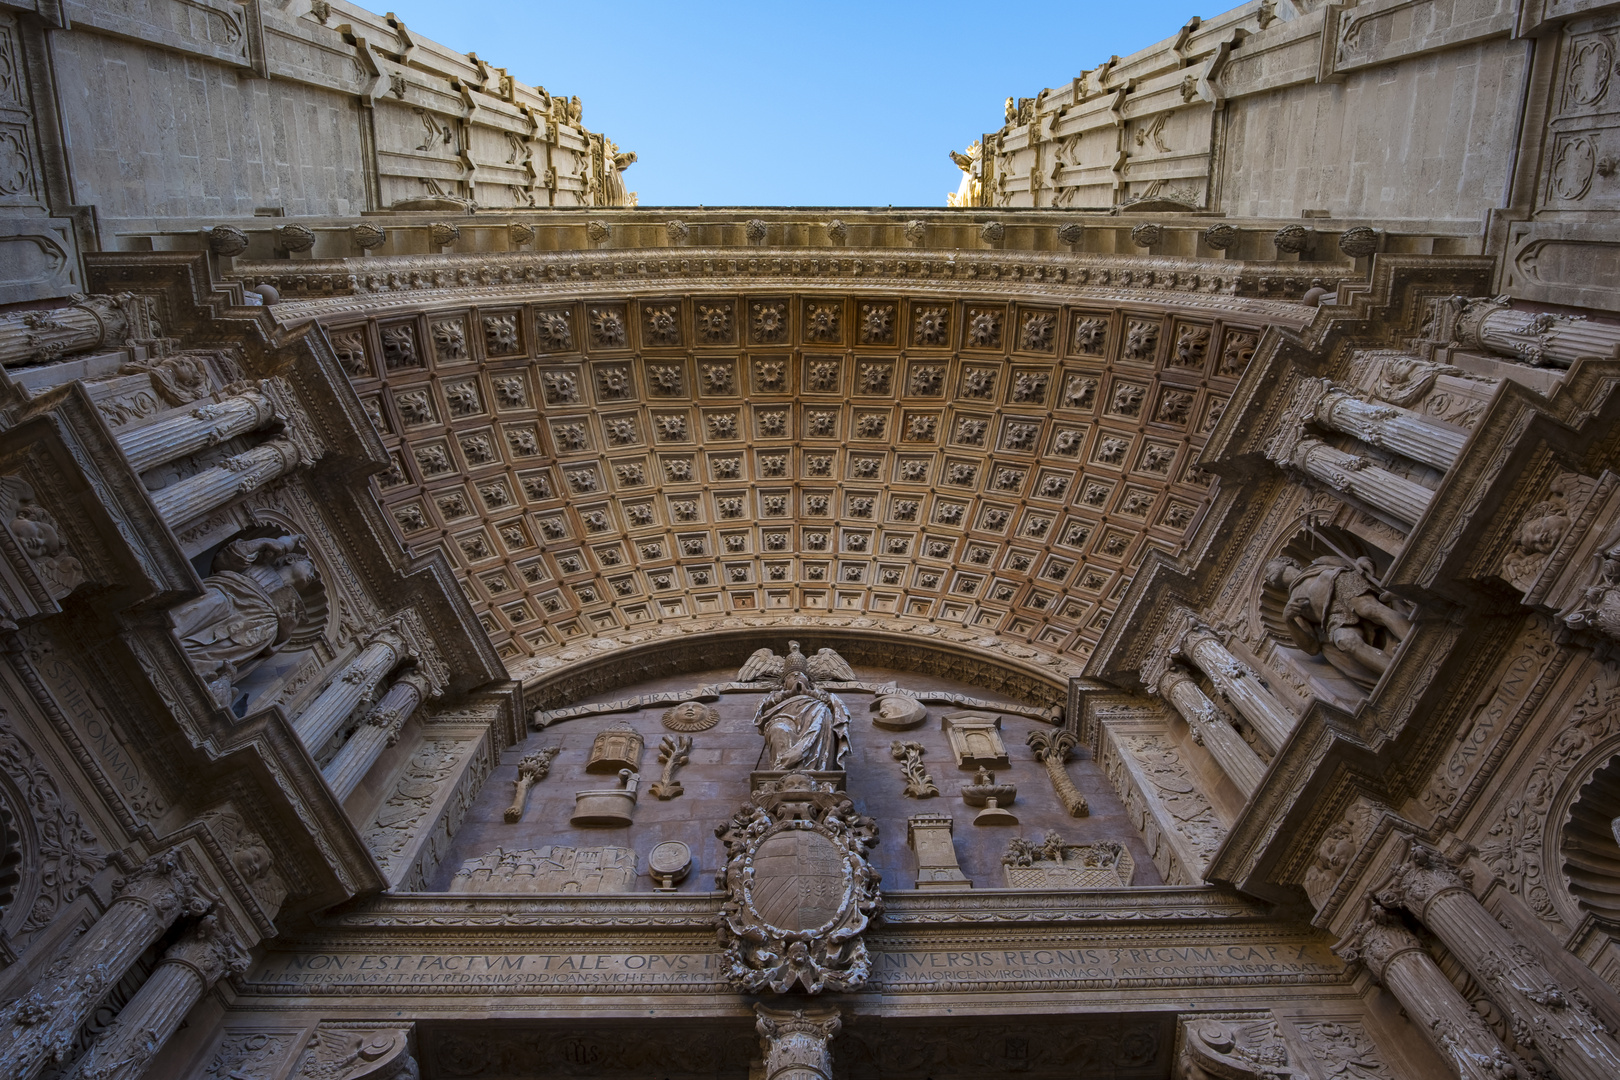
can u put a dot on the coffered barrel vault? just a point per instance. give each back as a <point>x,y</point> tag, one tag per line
<point>987,466</point>
<point>458,623</point>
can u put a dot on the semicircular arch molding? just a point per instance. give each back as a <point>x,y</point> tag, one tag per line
<point>718,649</point>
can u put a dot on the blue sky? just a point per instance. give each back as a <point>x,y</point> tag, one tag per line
<point>788,104</point>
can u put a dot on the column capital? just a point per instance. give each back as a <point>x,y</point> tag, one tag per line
<point>210,949</point>
<point>417,642</point>
<point>1289,429</point>
<point>165,885</point>
<point>1377,940</point>
<point>796,1042</point>
<point>1424,875</point>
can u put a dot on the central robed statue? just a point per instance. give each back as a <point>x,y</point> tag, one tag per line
<point>806,729</point>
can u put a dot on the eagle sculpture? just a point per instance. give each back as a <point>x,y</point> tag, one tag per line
<point>825,666</point>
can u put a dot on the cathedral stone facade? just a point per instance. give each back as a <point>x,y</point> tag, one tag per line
<point>1155,617</point>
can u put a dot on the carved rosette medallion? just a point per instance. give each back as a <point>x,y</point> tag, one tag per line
<point>801,888</point>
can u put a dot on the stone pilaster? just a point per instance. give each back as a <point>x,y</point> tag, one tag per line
<point>1235,757</point>
<point>1396,958</point>
<point>1558,1023</point>
<point>797,1043</point>
<point>191,965</point>
<point>190,430</point>
<point>40,1026</point>
<point>322,717</point>
<point>1240,685</point>
<point>381,730</point>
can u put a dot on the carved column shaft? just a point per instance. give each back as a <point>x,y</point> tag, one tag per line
<point>1235,757</point>
<point>321,719</point>
<point>379,732</point>
<point>1242,687</point>
<point>1560,1027</point>
<point>186,432</point>
<point>40,1026</point>
<point>37,337</point>
<point>1403,431</point>
<point>1396,496</point>
<point>1397,959</point>
<point>1538,338</point>
<point>192,965</point>
<point>235,476</point>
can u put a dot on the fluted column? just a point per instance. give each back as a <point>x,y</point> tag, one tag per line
<point>1538,338</point>
<point>187,431</point>
<point>796,1043</point>
<point>1240,685</point>
<point>381,730</point>
<point>1396,959</point>
<point>1379,488</point>
<point>321,719</point>
<point>1235,757</point>
<point>190,966</point>
<point>1558,1023</point>
<point>41,337</point>
<point>40,1026</point>
<point>235,476</point>
<point>1403,431</point>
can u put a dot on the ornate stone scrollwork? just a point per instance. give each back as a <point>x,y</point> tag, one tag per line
<point>800,889</point>
<point>1235,1046</point>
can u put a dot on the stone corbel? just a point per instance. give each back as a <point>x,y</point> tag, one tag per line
<point>1233,1046</point>
<point>339,1050</point>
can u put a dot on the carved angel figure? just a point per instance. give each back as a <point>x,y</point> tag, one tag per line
<point>805,728</point>
<point>264,593</point>
<point>967,193</point>
<point>1334,611</point>
<point>825,666</point>
<point>614,164</point>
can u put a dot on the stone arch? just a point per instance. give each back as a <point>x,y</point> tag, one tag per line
<point>673,656</point>
<point>1589,852</point>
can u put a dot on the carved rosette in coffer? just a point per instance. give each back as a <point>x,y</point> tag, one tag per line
<point>801,890</point>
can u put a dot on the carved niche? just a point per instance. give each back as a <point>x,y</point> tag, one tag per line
<point>800,888</point>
